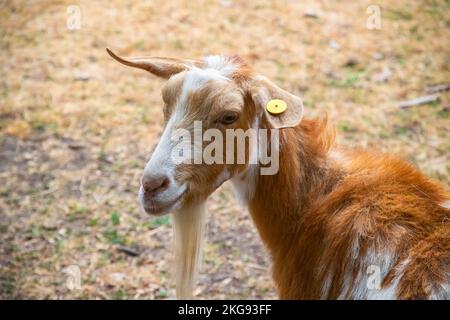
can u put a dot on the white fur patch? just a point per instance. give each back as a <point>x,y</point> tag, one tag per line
<point>380,264</point>
<point>245,183</point>
<point>442,291</point>
<point>336,155</point>
<point>326,285</point>
<point>446,205</point>
<point>194,79</point>
<point>390,292</point>
<point>161,163</point>
<point>160,160</point>
<point>220,63</point>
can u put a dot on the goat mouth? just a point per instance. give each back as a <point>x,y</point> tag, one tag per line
<point>160,209</point>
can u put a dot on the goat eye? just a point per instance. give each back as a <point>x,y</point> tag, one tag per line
<point>229,118</point>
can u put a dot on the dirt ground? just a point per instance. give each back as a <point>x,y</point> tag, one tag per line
<point>76,127</point>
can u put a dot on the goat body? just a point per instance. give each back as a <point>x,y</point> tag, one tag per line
<point>350,225</point>
<point>338,223</point>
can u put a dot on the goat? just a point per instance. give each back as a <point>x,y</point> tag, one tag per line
<point>331,218</point>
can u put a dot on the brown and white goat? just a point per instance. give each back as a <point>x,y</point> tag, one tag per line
<point>329,217</point>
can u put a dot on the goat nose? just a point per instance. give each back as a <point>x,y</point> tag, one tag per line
<point>155,184</point>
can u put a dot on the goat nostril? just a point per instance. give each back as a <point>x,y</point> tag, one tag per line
<point>155,184</point>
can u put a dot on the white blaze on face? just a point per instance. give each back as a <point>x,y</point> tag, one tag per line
<point>162,164</point>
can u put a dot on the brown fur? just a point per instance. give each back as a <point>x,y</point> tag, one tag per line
<point>329,213</point>
<point>311,220</point>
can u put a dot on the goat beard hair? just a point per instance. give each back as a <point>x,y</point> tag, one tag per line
<point>189,227</point>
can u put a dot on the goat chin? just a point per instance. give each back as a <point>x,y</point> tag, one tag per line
<point>189,227</point>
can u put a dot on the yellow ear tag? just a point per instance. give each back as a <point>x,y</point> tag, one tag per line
<point>276,106</point>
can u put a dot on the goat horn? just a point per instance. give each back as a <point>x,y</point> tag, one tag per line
<point>159,66</point>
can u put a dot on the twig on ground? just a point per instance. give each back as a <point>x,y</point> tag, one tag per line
<point>418,101</point>
<point>437,88</point>
<point>129,251</point>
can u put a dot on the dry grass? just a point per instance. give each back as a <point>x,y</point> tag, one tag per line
<point>76,127</point>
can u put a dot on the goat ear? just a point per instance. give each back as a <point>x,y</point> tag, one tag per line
<point>161,67</point>
<point>263,90</point>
